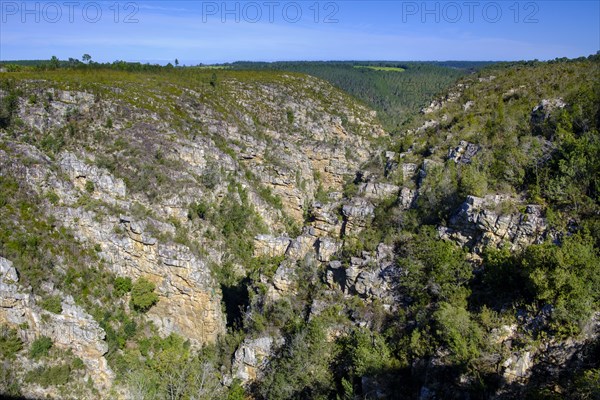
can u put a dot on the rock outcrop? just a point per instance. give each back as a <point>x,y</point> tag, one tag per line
<point>81,173</point>
<point>463,153</point>
<point>480,222</point>
<point>326,220</point>
<point>251,357</point>
<point>372,276</point>
<point>358,214</point>
<point>270,246</point>
<point>543,111</point>
<point>189,299</point>
<point>377,191</point>
<point>73,329</point>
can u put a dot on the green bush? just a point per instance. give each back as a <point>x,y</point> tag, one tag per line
<point>236,391</point>
<point>200,210</point>
<point>57,375</point>
<point>40,347</point>
<point>290,116</point>
<point>461,334</point>
<point>90,187</point>
<point>300,369</point>
<point>122,285</point>
<point>10,343</point>
<point>52,304</point>
<point>8,107</point>
<point>142,295</point>
<point>363,353</point>
<point>565,276</point>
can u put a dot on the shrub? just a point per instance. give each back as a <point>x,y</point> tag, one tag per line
<point>363,353</point>
<point>142,295</point>
<point>10,343</point>
<point>565,277</point>
<point>122,285</point>
<point>52,376</point>
<point>90,187</point>
<point>40,347</point>
<point>290,116</point>
<point>456,329</point>
<point>236,391</point>
<point>52,304</point>
<point>199,210</point>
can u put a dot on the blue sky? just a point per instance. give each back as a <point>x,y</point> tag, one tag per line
<point>217,31</point>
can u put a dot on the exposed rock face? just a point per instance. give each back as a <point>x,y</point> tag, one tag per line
<point>55,113</point>
<point>542,112</point>
<point>440,103</point>
<point>358,213</point>
<point>377,191</point>
<point>252,356</point>
<point>189,299</point>
<point>435,105</point>
<point>270,246</point>
<point>407,198</point>
<point>72,329</point>
<point>81,173</point>
<point>371,276</point>
<point>427,166</point>
<point>408,171</point>
<point>517,367</point>
<point>477,223</point>
<point>391,163</point>
<point>284,281</point>
<point>428,125</point>
<point>326,248</point>
<point>325,219</point>
<point>463,153</point>
<point>547,360</point>
<point>302,245</point>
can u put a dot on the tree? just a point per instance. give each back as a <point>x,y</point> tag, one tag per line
<point>142,295</point>
<point>54,62</point>
<point>176,62</point>
<point>86,58</point>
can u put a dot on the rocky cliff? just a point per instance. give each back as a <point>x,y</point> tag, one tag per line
<point>260,233</point>
<point>141,173</point>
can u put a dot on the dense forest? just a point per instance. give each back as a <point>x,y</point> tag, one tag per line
<point>396,93</point>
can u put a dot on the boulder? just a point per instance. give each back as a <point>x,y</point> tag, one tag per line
<point>270,246</point>
<point>463,153</point>
<point>326,248</point>
<point>358,213</point>
<point>325,219</point>
<point>377,191</point>
<point>252,356</point>
<point>545,108</point>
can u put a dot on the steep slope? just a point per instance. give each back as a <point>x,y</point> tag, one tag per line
<point>461,263</point>
<point>158,178</point>
<point>281,246</point>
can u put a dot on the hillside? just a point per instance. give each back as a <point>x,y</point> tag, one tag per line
<point>190,233</point>
<point>396,90</point>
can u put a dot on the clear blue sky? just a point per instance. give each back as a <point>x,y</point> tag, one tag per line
<point>217,31</point>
